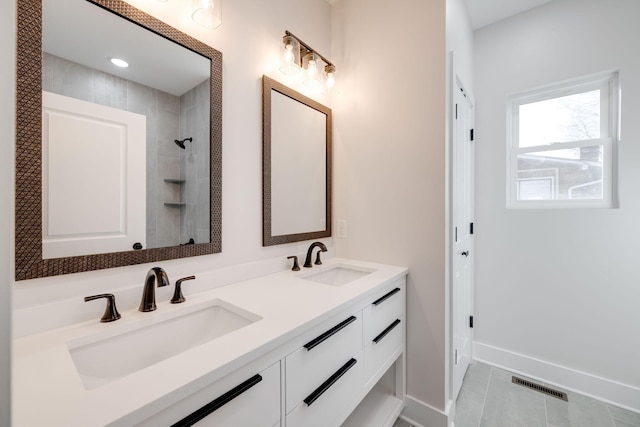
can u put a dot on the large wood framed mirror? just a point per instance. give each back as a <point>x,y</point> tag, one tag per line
<point>114,166</point>
<point>296,136</point>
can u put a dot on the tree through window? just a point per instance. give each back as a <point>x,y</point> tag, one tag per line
<point>561,144</point>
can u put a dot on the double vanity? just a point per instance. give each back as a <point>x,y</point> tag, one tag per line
<point>317,347</point>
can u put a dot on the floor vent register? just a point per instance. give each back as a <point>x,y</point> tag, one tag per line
<point>538,387</point>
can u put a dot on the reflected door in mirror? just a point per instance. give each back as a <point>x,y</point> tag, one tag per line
<point>94,176</point>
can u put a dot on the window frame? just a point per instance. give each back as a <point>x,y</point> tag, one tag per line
<point>608,84</point>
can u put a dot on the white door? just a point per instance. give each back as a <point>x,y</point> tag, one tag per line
<point>94,178</point>
<point>462,247</point>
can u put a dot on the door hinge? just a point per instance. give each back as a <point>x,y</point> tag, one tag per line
<point>471,321</point>
<point>471,134</point>
<point>456,111</point>
<point>470,228</point>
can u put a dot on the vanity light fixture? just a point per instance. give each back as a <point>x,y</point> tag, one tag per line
<point>207,13</point>
<point>119,62</point>
<point>300,56</point>
<point>291,56</point>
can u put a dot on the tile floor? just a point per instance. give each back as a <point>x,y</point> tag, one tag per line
<point>489,399</point>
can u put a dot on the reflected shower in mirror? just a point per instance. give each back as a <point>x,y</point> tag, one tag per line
<point>296,166</point>
<point>120,160</point>
<point>96,203</point>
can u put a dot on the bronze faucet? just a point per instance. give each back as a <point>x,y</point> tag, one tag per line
<point>307,261</point>
<point>156,274</point>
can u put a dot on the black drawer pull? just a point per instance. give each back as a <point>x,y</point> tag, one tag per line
<point>386,331</point>
<point>386,296</point>
<point>314,342</point>
<point>328,383</point>
<point>212,406</point>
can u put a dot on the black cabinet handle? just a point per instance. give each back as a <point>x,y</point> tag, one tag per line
<point>386,296</point>
<point>314,342</point>
<point>328,383</point>
<point>386,331</point>
<point>216,404</point>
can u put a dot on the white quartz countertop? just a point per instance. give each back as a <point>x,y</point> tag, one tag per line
<point>47,389</point>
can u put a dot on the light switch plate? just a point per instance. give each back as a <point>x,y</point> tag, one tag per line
<point>341,228</point>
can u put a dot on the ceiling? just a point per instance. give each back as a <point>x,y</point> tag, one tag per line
<point>485,12</point>
<point>81,32</point>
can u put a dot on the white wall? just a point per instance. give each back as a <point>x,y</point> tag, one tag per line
<point>389,163</point>
<point>460,42</point>
<point>7,137</point>
<point>559,288</point>
<point>250,39</point>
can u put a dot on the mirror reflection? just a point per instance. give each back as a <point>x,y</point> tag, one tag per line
<point>296,166</point>
<point>115,166</point>
<point>126,161</point>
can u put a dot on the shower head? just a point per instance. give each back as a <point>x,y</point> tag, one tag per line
<point>180,143</point>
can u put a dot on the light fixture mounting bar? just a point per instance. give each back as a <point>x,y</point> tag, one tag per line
<point>308,48</point>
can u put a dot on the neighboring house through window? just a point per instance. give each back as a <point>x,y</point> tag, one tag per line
<point>562,144</point>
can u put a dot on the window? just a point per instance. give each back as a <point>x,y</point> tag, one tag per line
<point>562,145</point>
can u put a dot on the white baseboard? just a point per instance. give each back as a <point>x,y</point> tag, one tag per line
<point>613,392</point>
<point>421,414</point>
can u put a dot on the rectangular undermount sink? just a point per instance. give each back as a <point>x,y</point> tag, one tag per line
<point>339,275</point>
<point>105,359</point>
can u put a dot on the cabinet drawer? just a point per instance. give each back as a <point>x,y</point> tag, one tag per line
<point>334,405</point>
<point>308,367</point>
<point>385,307</point>
<point>378,354</point>
<point>234,401</point>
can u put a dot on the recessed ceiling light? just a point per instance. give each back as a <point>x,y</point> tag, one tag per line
<point>119,62</point>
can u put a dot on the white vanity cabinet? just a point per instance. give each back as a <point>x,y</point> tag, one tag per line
<point>383,331</point>
<point>237,400</point>
<point>314,351</point>
<point>327,372</point>
<point>323,388</point>
<point>324,375</point>
<point>332,345</point>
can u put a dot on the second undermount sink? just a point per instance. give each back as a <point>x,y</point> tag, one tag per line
<point>339,275</point>
<point>104,360</point>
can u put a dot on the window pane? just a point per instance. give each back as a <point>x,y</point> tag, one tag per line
<point>574,173</point>
<point>568,118</point>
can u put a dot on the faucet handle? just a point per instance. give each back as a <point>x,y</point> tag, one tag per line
<point>296,266</point>
<point>111,312</point>
<point>177,293</point>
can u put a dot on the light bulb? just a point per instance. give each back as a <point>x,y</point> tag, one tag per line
<point>291,57</point>
<point>311,76</point>
<point>311,69</point>
<point>330,81</point>
<point>288,54</point>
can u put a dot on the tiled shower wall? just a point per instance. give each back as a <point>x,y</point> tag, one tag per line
<point>195,161</point>
<point>168,117</point>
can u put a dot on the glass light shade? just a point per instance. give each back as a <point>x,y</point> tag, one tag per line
<point>330,71</point>
<point>312,75</point>
<point>291,56</point>
<point>207,13</point>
